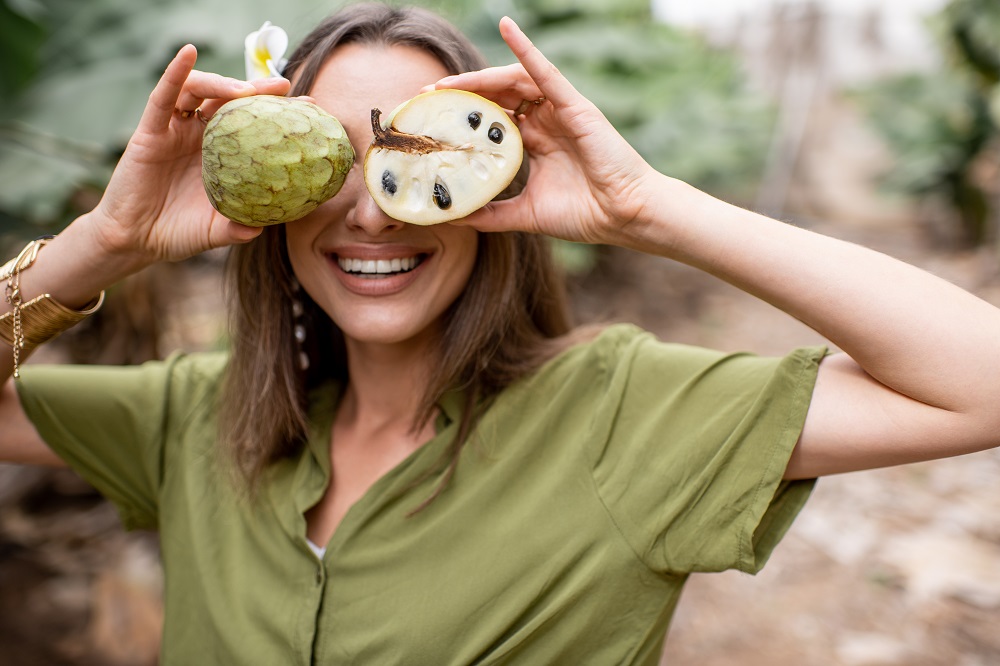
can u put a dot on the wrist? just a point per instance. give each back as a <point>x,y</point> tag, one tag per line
<point>652,221</point>
<point>104,249</point>
<point>29,323</point>
<point>79,263</point>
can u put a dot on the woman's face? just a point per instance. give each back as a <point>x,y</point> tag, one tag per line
<point>341,251</point>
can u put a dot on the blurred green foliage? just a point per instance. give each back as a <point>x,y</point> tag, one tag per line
<point>683,104</point>
<point>82,72</point>
<point>944,126</point>
<point>21,39</point>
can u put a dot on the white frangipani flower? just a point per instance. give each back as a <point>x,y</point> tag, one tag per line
<point>264,52</point>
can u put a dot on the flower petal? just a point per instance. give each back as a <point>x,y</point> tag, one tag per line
<point>263,52</point>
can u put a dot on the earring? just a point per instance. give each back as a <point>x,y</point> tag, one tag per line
<point>298,316</point>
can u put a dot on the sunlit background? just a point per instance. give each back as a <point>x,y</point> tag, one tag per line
<point>872,121</point>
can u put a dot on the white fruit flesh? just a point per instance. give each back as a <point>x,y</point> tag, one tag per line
<point>473,153</point>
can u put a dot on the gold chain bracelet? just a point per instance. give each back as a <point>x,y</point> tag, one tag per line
<point>29,324</point>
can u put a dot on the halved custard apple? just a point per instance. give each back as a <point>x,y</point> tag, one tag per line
<point>442,155</point>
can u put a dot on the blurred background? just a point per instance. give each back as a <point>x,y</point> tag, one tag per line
<point>876,122</point>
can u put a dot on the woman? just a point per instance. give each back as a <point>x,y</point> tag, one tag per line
<point>453,476</point>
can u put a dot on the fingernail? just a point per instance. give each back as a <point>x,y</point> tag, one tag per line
<point>267,79</point>
<point>244,234</point>
<point>447,79</point>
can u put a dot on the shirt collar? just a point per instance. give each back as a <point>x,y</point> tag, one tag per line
<point>323,402</point>
<point>451,404</point>
<point>324,399</point>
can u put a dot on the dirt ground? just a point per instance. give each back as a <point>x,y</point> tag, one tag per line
<point>897,566</point>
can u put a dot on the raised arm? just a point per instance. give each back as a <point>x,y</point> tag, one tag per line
<point>920,376</point>
<point>154,209</point>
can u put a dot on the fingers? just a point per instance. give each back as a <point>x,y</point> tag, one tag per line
<point>223,232</point>
<point>508,86</point>
<point>552,84</point>
<point>532,78</point>
<point>271,86</point>
<point>163,99</point>
<point>234,232</point>
<point>205,85</point>
<point>497,216</point>
<point>184,88</point>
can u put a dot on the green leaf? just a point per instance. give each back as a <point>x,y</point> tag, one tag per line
<point>21,39</point>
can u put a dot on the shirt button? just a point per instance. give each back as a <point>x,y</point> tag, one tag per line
<point>319,576</point>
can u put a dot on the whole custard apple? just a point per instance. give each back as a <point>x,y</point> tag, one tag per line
<point>268,160</point>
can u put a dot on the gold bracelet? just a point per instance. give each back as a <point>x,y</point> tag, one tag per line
<point>24,259</point>
<point>42,318</point>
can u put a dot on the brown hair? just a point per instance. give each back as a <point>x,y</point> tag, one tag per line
<point>504,325</point>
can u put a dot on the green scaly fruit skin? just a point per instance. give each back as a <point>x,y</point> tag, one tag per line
<point>269,160</point>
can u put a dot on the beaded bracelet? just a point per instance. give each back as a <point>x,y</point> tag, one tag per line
<point>30,324</point>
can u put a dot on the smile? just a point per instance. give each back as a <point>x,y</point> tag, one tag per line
<point>379,268</point>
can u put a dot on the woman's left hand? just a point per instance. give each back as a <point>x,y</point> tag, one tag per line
<point>586,182</point>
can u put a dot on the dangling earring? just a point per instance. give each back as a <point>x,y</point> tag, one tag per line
<point>298,315</point>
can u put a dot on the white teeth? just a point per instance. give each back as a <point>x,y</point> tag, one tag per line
<point>379,266</point>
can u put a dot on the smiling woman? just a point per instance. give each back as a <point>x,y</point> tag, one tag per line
<point>400,308</point>
<point>492,301</point>
<point>407,455</point>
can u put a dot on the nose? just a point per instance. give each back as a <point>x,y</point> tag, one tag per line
<point>366,216</point>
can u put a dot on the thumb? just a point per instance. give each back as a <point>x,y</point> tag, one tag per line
<point>236,233</point>
<point>508,215</point>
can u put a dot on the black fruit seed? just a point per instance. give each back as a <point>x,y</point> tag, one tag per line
<point>388,182</point>
<point>495,134</point>
<point>441,196</point>
<point>475,119</point>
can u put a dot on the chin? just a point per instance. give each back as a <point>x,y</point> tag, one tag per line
<point>395,330</point>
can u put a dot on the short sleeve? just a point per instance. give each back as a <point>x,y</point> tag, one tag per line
<point>693,447</point>
<point>109,424</point>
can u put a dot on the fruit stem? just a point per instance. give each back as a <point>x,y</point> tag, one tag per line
<point>393,139</point>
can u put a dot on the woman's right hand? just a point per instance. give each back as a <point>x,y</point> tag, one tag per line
<point>155,207</point>
<point>586,183</point>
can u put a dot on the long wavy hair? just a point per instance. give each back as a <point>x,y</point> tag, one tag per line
<point>511,317</point>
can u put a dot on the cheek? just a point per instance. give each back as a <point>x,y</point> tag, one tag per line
<point>464,253</point>
<point>308,265</point>
<point>301,235</point>
<point>298,241</point>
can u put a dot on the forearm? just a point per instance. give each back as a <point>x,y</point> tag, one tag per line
<point>911,331</point>
<point>77,264</point>
<point>73,269</point>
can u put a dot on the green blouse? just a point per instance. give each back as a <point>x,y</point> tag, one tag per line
<point>588,493</point>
